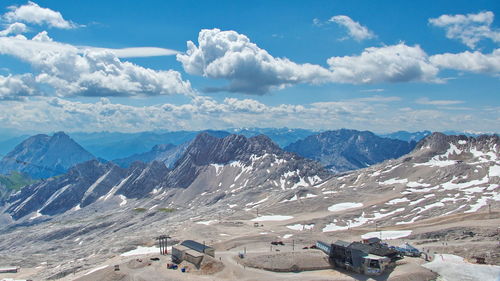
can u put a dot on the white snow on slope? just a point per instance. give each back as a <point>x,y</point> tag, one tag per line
<point>344,206</point>
<point>387,234</point>
<point>494,171</point>
<point>397,201</point>
<point>124,200</point>
<point>144,251</point>
<point>363,219</point>
<point>272,218</point>
<point>36,215</point>
<point>218,168</point>
<point>393,181</point>
<point>206,222</point>
<point>96,269</point>
<point>301,227</point>
<point>451,268</point>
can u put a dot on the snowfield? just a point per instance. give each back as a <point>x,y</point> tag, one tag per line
<point>143,251</point>
<point>344,206</point>
<point>301,227</point>
<point>387,234</point>
<point>452,267</point>
<point>272,218</point>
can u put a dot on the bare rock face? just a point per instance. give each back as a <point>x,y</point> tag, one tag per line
<point>253,161</point>
<point>206,149</point>
<point>43,156</point>
<point>344,150</point>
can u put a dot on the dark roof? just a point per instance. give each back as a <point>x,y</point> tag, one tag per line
<point>375,249</point>
<point>195,245</point>
<point>341,243</point>
<point>373,240</point>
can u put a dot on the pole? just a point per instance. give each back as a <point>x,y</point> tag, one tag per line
<point>293,245</point>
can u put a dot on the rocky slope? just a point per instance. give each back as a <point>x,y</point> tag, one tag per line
<point>345,150</point>
<point>236,181</point>
<point>43,156</point>
<point>210,165</point>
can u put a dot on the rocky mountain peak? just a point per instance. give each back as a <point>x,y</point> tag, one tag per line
<point>43,156</point>
<point>344,149</point>
<point>206,149</point>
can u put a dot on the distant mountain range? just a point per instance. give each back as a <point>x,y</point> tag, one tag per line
<point>209,163</point>
<point>344,150</point>
<point>43,156</point>
<point>407,136</point>
<point>111,146</point>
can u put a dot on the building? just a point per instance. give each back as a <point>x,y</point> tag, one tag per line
<point>201,248</point>
<point>370,259</point>
<point>192,252</point>
<point>10,269</point>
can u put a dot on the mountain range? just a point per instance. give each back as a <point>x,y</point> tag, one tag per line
<point>223,185</point>
<point>208,163</point>
<point>344,150</point>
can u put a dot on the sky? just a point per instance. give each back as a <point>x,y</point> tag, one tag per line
<point>131,66</point>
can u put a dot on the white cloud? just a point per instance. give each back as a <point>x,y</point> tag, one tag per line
<point>250,69</point>
<point>135,52</point>
<point>33,13</point>
<point>378,90</point>
<point>14,28</point>
<point>72,71</point>
<point>395,63</point>
<point>50,114</point>
<point>427,101</point>
<point>469,61</point>
<point>354,28</point>
<point>16,87</point>
<point>470,28</point>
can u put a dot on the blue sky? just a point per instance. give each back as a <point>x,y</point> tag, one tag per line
<point>372,65</point>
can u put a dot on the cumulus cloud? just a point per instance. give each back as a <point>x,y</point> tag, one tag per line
<point>17,87</point>
<point>470,28</point>
<point>73,71</point>
<point>250,69</point>
<point>14,28</point>
<point>427,101</point>
<point>135,52</point>
<point>33,13</point>
<point>355,29</point>
<point>50,114</point>
<point>395,63</point>
<point>469,61</point>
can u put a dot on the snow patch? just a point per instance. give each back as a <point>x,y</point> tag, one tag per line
<point>124,200</point>
<point>301,227</point>
<point>272,218</point>
<point>96,269</point>
<point>387,234</point>
<point>206,222</point>
<point>344,206</point>
<point>394,181</point>
<point>451,267</point>
<point>144,251</point>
